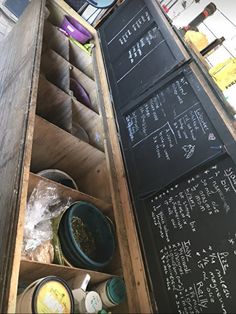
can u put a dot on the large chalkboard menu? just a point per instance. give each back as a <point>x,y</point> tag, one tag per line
<point>180,162</point>
<point>167,132</point>
<point>138,49</point>
<point>192,224</point>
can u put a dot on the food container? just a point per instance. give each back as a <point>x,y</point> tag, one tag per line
<point>112,292</point>
<point>59,177</point>
<point>75,29</point>
<point>46,295</point>
<point>88,302</point>
<point>93,246</point>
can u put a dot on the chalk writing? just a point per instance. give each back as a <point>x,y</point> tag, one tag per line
<point>134,26</point>
<point>208,193</point>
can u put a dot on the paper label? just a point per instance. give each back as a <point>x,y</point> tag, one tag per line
<point>53,297</point>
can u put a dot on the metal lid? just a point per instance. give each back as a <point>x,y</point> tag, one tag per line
<point>116,290</point>
<point>93,302</point>
<point>52,295</point>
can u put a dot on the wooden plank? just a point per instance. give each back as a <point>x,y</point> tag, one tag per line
<point>54,39</point>
<point>100,187</point>
<point>55,148</point>
<point>19,65</point>
<point>56,69</point>
<point>90,121</point>
<point>65,192</point>
<point>31,271</point>
<point>222,111</point>
<point>138,294</point>
<point>165,21</point>
<point>54,105</point>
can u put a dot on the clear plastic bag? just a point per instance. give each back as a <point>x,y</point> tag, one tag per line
<point>44,204</point>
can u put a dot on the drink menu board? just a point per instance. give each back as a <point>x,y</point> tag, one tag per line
<point>138,50</point>
<point>193,226</point>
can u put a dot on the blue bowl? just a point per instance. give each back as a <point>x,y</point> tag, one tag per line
<point>100,229</point>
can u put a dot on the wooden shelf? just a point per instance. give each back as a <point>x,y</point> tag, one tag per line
<point>31,271</point>
<point>65,192</point>
<point>58,149</point>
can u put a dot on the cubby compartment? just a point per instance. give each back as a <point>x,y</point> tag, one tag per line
<point>88,84</point>
<point>65,111</point>
<point>32,271</point>
<point>90,121</point>
<point>55,148</point>
<point>81,60</point>
<point>77,56</point>
<point>65,193</point>
<point>56,69</point>
<point>54,39</point>
<point>56,13</point>
<point>54,105</point>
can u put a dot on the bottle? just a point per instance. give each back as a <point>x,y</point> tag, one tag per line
<point>85,301</point>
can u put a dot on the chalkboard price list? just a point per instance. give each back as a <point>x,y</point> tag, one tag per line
<point>206,195</point>
<point>198,279</point>
<point>171,127</point>
<point>193,224</point>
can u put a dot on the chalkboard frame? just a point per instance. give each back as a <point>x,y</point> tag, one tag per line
<point>177,49</point>
<point>207,104</point>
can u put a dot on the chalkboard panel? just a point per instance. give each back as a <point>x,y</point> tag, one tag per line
<point>190,241</point>
<point>138,48</point>
<point>167,132</point>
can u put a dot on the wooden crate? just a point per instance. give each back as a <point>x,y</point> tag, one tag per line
<point>39,118</point>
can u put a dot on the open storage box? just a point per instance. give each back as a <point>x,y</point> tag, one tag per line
<point>44,131</point>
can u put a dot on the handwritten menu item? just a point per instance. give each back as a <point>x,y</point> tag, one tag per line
<point>138,49</point>
<point>169,133</point>
<point>193,226</point>
<point>198,205</point>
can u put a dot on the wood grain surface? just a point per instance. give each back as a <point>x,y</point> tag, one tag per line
<point>54,105</point>
<point>54,39</point>
<point>19,60</point>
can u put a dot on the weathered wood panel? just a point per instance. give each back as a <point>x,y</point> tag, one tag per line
<point>20,53</point>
